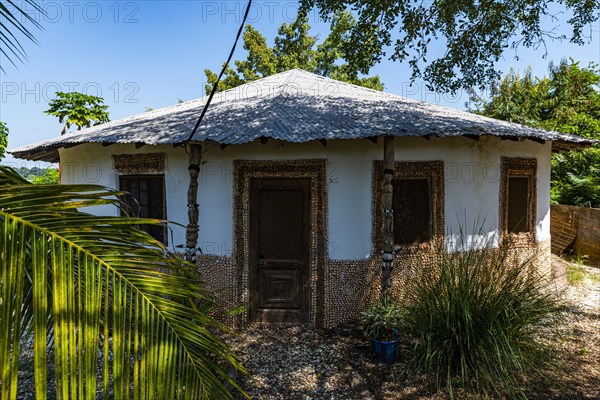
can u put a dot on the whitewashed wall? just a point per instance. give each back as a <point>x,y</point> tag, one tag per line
<point>472,177</point>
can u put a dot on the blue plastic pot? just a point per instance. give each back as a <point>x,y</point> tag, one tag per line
<point>386,351</point>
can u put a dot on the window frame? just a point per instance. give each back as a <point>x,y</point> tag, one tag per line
<point>123,212</point>
<point>433,171</point>
<point>515,167</point>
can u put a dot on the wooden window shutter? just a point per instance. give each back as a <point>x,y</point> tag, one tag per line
<point>518,204</point>
<point>412,210</point>
<point>145,198</point>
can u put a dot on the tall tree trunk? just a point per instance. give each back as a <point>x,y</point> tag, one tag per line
<point>388,215</point>
<point>191,231</point>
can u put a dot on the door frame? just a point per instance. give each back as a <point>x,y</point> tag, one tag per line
<point>315,170</point>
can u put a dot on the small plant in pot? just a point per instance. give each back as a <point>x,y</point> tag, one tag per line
<point>380,324</point>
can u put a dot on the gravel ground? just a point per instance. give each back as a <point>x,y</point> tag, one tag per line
<point>298,362</point>
<point>302,363</point>
<point>577,370</point>
<point>290,363</point>
<point>574,374</point>
<point>26,388</point>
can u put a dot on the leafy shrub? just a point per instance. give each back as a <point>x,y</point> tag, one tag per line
<point>476,316</point>
<point>382,320</point>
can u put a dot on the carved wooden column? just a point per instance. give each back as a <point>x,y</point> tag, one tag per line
<point>191,231</point>
<point>388,214</point>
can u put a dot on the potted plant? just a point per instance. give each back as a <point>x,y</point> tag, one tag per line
<point>380,324</point>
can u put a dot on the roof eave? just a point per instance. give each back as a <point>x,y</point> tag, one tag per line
<point>47,154</point>
<point>51,153</point>
<point>562,146</point>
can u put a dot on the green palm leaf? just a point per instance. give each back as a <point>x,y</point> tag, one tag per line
<point>104,285</point>
<point>13,20</point>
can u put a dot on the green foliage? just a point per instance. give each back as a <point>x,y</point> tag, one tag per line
<point>576,258</point>
<point>573,104</point>
<point>78,109</point>
<point>576,178</point>
<point>382,320</point>
<point>3,138</point>
<point>40,176</point>
<point>477,315</point>
<point>109,295</point>
<point>50,177</point>
<point>568,101</point>
<point>295,48</point>
<point>575,275</point>
<point>474,35</point>
<point>31,173</point>
<point>516,98</point>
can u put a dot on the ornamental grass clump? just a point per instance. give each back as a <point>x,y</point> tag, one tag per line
<point>477,316</point>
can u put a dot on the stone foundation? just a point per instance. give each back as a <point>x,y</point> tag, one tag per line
<point>219,274</point>
<point>350,287</point>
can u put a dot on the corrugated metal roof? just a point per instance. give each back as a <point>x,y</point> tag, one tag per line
<point>295,106</point>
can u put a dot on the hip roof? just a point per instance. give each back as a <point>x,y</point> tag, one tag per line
<point>296,106</point>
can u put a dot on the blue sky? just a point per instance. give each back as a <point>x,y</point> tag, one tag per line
<point>139,54</point>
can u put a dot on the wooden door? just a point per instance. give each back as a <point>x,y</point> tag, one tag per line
<point>279,250</point>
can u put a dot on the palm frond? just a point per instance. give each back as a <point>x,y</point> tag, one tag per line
<point>13,23</point>
<point>104,285</point>
<point>9,176</point>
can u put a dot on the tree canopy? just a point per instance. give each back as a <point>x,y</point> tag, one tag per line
<point>78,109</point>
<point>3,138</point>
<point>294,47</point>
<point>567,100</point>
<point>576,178</point>
<point>39,176</point>
<point>50,177</point>
<point>473,35</point>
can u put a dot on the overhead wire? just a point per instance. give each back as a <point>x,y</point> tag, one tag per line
<point>216,84</point>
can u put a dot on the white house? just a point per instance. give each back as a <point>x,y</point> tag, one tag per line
<point>291,186</point>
